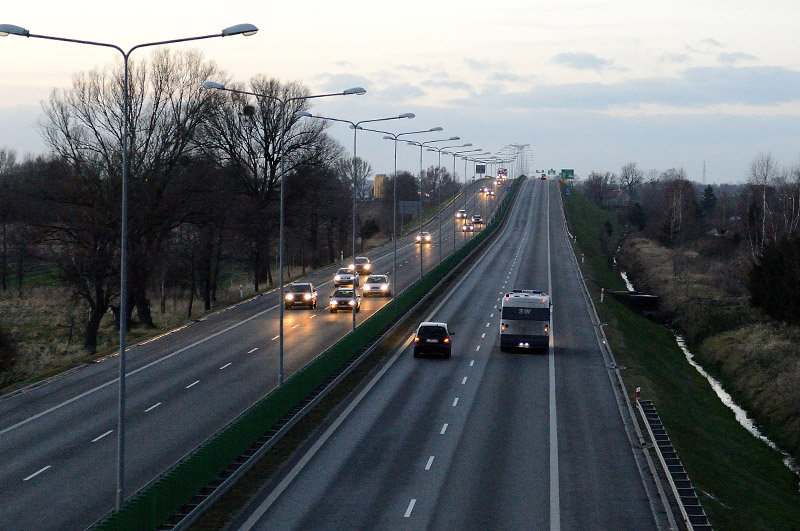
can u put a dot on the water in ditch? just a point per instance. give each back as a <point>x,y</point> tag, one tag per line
<point>725,397</point>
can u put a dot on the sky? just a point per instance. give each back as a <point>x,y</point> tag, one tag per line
<point>589,85</point>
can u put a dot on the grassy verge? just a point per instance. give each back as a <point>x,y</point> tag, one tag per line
<point>741,481</point>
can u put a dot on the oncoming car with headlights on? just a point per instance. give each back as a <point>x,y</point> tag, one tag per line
<point>361,265</point>
<point>300,294</point>
<point>377,286</point>
<point>345,277</point>
<point>424,237</point>
<point>345,299</point>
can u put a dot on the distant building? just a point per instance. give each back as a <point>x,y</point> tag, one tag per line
<point>380,188</point>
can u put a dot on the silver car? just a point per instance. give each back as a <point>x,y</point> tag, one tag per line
<point>345,277</point>
<point>377,286</point>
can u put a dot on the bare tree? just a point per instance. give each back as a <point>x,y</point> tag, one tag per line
<point>167,104</point>
<point>631,178</point>
<point>764,172</point>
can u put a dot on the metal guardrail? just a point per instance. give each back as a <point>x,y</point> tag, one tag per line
<point>693,514</point>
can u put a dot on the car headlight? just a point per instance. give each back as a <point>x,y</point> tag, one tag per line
<point>289,297</point>
<point>334,303</point>
<point>367,266</point>
<point>384,287</point>
<point>427,238</point>
<point>419,238</point>
<point>351,266</point>
<point>352,302</point>
<point>307,296</point>
<point>337,278</point>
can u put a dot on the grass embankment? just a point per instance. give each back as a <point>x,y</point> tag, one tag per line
<point>742,483</point>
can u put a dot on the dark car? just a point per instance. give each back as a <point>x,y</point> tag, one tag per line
<point>346,299</point>
<point>300,294</point>
<point>477,220</point>
<point>424,237</point>
<point>361,265</point>
<point>432,338</point>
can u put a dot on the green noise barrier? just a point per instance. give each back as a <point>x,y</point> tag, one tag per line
<point>162,498</point>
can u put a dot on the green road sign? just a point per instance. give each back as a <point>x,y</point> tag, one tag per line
<point>567,174</point>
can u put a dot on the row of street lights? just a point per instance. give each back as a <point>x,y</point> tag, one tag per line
<point>286,122</point>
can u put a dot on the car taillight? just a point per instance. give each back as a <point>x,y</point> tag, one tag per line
<point>416,339</point>
<point>447,340</point>
<point>545,329</point>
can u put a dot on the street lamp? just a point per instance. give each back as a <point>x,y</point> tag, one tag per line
<point>394,137</point>
<point>464,191</point>
<point>439,192</point>
<point>238,29</point>
<point>284,120</point>
<point>421,147</point>
<point>356,127</point>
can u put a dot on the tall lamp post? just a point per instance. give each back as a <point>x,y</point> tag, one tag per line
<point>356,127</point>
<point>284,120</point>
<point>421,148</point>
<point>439,192</point>
<point>394,137</point>
<point>464,192</point>
<point>239,29</point>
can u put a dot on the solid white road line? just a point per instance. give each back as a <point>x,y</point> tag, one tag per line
<point>410,507</point>
<point>36,473</point>
<point>226,366</point>
<point>252,350</point>
<point>555,500</point>
<point>444,429</point>
<point>430,462</point>
<point>151,408</point>
<point>101,436</point>
<point>193,384</point>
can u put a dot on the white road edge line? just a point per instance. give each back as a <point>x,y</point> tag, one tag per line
<point>36,473</point>
<point>429,463</point>
<point>101,436</point>
<point>410,507</point>
<point>151,408</point>
<point>555,500</point>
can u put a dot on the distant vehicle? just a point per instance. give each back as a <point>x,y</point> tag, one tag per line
<point>468,227</point>
<point>461,214</point>
<point>525,320</point>
<point>432,337</point>
<point>497,182</point>
<point>300,294</point>
<point>490,193</point>
<point>345,277</point>
<point>361,265</point>
<point>485,190</point>
<point>543,177</point>
<point>345,299</point>
<point>377,285</point>
<point>477,220</point>
<point>424,237</point>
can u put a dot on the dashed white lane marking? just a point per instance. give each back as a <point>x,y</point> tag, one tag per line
<point>151,408</point>
<point>36,473</point>
<point>193,384</point>
<point>477,348</point>
<point>455,402</point>
<point>252,350</point>
<point>444,429</point>
<point>276,337</point>
<point>464,380</point>
<point>101,436</point>
<point>487,325</point>
<point>312,316</point>
<point>295,326</point>
<point>483,335</point>
<point>429,463</point>
<point>491,316</point>
<point>471,363</point>
<point>226,366</point>
<point>410,507</point>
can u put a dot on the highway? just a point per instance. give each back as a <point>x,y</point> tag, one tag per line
<point>59,438</point>
<point>484,440</point>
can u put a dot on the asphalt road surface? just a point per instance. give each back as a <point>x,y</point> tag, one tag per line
<point>59,439</point>
<point>484,440</point>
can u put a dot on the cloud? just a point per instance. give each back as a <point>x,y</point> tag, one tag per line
<point>581,61</point>
<point>505,76</point>
<point>338,82</point>
<point>483,66</point>
<point>736,57</point>
<point>675,57</point>
<point>400,92</point>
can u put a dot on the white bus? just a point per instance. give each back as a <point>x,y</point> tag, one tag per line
<point>525,320</point>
